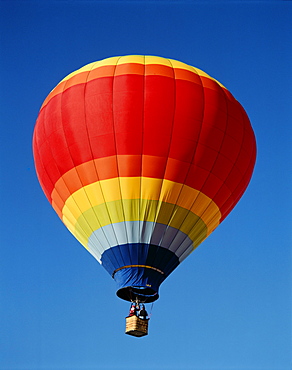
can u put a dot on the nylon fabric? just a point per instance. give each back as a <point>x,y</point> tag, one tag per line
<point>142,157</point>
<point>150,211</point>
<point>162,261</point>
<point>151,233</point>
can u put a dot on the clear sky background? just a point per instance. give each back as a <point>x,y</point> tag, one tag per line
<point>228,306</point>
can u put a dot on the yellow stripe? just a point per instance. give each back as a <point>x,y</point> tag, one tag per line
<point>140,59</point>
<point>144,188</point>
<point>88,67</point>
<point>78,233</point>
<point>119,199</point>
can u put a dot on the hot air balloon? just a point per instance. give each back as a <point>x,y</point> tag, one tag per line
<point>142,158</point>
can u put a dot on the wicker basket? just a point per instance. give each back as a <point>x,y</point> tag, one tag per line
<point>136,326</point>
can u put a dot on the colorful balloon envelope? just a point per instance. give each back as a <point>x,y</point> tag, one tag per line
<point>142,157</point>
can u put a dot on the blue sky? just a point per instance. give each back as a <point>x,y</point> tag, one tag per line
<point>228,306</point>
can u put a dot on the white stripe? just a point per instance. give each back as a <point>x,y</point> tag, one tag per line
<point>139,232</point>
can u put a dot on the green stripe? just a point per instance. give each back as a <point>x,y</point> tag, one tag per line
<point>141,210</point>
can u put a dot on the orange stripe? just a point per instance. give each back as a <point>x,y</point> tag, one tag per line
<point>79,78</point>
<point>183,74</point>
<point>130,68</point>
<point>147,267</point>
<point>158,69</point>
<point>107,168</point>
<point>103,71</point>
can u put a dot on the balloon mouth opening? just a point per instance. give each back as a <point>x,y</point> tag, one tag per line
<point>137,293</point>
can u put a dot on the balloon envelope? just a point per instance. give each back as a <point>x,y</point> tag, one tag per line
<point>142,158</point>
